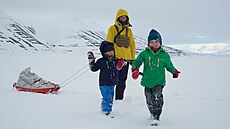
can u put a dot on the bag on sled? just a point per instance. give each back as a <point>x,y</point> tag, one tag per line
<point>31,82</point>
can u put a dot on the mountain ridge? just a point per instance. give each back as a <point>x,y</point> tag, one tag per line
<point>16,37</point>
<point>82,37</point>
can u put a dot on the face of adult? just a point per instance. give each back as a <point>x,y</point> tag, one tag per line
<point>123,20</point>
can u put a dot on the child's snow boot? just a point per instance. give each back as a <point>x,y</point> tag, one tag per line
<point>155,120</point>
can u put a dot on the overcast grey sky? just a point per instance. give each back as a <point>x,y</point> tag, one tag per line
<point>179,21</point>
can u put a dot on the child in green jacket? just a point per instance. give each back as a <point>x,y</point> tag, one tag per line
<point>155,60</point>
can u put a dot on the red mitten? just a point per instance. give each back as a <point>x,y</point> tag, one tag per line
<point>120,63</point>
<point>176,74</point>
<point>135,73</point>
<point>91,57</point>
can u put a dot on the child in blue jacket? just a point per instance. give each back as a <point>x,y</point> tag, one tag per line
<point>108,65</point>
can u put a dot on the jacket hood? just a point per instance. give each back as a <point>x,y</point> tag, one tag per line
<point>121,12</point>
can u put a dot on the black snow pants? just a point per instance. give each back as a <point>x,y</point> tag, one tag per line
<point>154,100</point>
<point>120,87</point>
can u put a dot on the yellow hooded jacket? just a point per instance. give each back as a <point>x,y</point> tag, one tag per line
<point>122,52</point>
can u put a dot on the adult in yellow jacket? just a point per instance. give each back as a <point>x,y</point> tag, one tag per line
<point>120,34</point>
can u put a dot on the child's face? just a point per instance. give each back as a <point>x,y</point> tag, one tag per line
<point>154,44</point>
<point>110,54</point>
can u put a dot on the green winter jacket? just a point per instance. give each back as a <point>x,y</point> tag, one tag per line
<point>154,67</point>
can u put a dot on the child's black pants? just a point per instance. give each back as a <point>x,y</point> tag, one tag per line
<point>154,100</point>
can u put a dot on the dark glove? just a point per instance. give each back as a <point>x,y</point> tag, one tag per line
<point>176,74</point>
<point>120,63</point>
<point>135,73</point>
<point>91,57</point>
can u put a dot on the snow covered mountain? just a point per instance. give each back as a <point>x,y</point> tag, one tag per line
<point>91,39</point>
<point>16,37</point>
<point>210,48</point>
<point>80,37</point>
<point>88,36</point>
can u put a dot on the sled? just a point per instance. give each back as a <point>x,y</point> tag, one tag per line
<point>31,82</point>
<point>37,90</point>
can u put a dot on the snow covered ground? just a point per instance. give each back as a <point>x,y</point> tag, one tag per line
<point>198,99</point>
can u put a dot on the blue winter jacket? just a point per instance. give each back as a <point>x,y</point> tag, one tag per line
<point>108,72</point>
